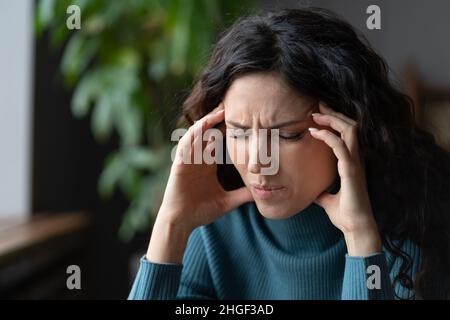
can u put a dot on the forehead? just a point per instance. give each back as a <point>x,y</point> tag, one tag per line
<point>265,93</point>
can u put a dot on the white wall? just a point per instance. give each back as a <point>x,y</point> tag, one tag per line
<point>16,27</point>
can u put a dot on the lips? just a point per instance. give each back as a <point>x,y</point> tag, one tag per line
<point>266,187</point>
<point>266,192</point>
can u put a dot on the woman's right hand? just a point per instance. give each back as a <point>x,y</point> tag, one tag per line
<point>193,195</point>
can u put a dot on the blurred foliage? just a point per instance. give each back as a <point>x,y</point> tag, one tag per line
<point>126,65</point>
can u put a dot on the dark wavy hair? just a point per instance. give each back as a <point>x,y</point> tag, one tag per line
<point>321,56</point>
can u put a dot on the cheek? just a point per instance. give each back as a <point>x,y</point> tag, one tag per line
<point>310,166</point>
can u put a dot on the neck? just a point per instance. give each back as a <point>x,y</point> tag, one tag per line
<point>309,230</point>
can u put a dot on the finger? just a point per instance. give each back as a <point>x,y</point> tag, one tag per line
<point>334,142</point>
<point>211,149</point>
<point>209,120</point>
<point>222,127</point>
<point>193,136</point>
<point>213,119</point>
<point>178,160</point>
<point>218,108</point>
<point>203,124</point>
<point>237,197</point>
<point>197,144</point>
<point>325,200</point>
<point>324,108</point>
<point>212,112</point>
<point>186,144</point>
<point>216,111</point>
<point>207,123</point>
<point>347,131</point>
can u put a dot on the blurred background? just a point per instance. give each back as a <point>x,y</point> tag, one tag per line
<point>89,95</point>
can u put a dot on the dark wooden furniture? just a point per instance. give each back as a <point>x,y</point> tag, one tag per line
<point>35,253</point>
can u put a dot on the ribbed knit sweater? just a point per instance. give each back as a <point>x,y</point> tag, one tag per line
<point>244,255</point>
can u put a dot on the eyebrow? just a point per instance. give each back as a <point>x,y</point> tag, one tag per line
<point>276,126</point>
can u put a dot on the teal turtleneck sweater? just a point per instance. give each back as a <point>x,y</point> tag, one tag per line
<point>244,255</point>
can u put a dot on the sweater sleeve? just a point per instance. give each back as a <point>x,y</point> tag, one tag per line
<point>359,281</point>
<point>367,278</point>
<point>189,280</point>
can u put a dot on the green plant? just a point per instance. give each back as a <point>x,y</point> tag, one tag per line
<point>125,66</point>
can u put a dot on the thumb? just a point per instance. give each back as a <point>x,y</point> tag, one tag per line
<point>325,199</point>
<point>237,197</point>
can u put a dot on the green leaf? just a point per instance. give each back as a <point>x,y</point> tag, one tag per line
<point>130,182</point>
<point>111,174</point>
<point>77,55</point>
<point>159,63</point>
<point>130,125</point>
<point>87,90</point>
<point>94,25</point>
<point>143,158</point>
<point>127,227</point>
<point>182,10</point>
<point>126,64</point>
<point>128,58</point>
<point>102,118</point>
<point>45,11</point>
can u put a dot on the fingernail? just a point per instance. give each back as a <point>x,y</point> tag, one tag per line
<point>316,114</point>
<point>313,129</point>
<point>220,111</point>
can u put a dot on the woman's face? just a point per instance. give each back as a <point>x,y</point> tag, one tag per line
<point>306,166</point>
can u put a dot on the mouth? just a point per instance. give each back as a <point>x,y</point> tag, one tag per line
<point>266,191</point>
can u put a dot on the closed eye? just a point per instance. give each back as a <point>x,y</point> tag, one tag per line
<point>238,136</point>
<point>293,137</point>
<point>290,137</point>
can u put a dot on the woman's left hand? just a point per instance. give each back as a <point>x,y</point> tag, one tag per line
<point>349,210</point>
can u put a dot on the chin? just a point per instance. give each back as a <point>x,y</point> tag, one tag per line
<point>277,211</point>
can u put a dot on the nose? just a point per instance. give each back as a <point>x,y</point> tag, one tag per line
<point>258,152</point>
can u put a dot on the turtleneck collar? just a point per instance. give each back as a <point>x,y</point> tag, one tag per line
<point>309,230</point>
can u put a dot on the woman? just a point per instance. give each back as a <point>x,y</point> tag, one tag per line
<point>359,206</point>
